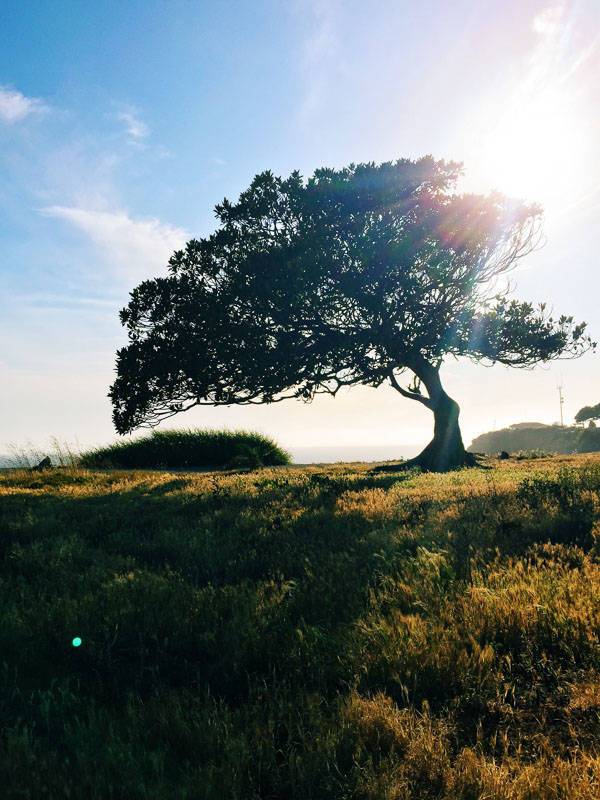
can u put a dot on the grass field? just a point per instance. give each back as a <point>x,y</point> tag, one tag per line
<point>313,632</point>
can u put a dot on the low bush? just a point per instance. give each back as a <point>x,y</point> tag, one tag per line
<point>528,455</point>
<point>189,449</point>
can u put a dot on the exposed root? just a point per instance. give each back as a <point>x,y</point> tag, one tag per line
<point>426,463</point>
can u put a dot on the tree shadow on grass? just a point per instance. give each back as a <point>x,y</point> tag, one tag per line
<point>168,586</point>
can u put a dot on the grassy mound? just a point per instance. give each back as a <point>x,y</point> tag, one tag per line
<point>189,449</point>
<point>301,634</point>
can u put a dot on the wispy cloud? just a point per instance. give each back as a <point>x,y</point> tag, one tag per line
<point>548,21</point>
<point>15,106</point>
<point>135,127</point>
<point>555,57</point>
<point>65,302</point>
<point>320,52</point>
<point>137,247</point>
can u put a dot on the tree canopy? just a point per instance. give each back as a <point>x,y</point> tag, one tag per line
<point>588,413</point>
<point>353,276</point>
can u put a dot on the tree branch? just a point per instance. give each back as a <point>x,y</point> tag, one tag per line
<point>411,395</point>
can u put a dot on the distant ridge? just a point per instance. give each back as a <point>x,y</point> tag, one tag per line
<point>537,436</point>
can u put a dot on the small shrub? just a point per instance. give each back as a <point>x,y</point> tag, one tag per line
<point>189,449</point>
<point>528,455</point>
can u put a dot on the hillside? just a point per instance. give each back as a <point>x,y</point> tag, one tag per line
<point>302,633</point>
<point>535,436</point>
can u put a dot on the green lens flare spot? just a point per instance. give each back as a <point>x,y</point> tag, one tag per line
<point>76,641</point>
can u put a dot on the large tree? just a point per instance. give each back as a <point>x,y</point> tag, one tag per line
<point>355,276</point>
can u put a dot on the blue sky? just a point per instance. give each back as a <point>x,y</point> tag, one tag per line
<point>123,123</point>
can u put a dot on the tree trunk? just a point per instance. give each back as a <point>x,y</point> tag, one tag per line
<point>446,450</point>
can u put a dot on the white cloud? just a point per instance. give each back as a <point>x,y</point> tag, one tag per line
<point>138,247</point>
<point>15,106</point>
<point>136,128</point>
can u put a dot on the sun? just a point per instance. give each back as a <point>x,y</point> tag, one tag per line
<point>532,141</point>
<point>535,150</point>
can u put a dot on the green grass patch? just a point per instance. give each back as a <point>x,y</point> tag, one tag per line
<point>189,449</point>
<point>302,633</point>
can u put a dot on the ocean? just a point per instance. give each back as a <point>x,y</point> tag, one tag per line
<point>325,454</point>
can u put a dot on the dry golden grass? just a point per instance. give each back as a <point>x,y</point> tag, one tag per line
<point>302,632</point>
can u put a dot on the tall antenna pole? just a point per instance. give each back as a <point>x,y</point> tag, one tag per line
<point>561,401</point>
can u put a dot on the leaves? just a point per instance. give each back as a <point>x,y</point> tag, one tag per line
<point>307,286</point>
<point>588,413</point>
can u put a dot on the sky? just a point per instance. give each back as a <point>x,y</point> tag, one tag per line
<point>122,124</point>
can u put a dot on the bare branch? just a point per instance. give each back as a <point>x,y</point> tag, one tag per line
<point>410,395</point>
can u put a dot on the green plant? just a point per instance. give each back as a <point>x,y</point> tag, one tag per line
<point>189,449</point>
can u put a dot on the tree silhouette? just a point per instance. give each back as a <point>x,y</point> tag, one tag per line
<point>588,413</point>
<point>355,276</point>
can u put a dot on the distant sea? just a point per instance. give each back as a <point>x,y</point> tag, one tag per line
<point>327,455</point>
<point>333,454</point>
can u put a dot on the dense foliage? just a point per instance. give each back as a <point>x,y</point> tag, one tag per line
<point>548,438</point>
<point>301,633</point>
<point>354,276</point>
<point>588,413</point>
<point>189,449</point>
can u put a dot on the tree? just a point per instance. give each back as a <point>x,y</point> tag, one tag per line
<point>588,413</point>
<point>355,276</point>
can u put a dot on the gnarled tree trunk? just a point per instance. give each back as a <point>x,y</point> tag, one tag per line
<point>446,450</point>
